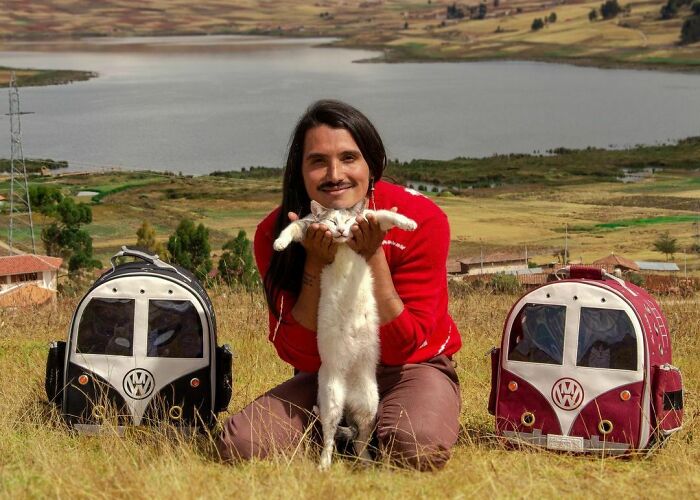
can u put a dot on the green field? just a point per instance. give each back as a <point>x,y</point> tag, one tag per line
<point>533,200</point>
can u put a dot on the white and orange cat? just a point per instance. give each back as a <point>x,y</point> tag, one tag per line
<point>347,326</point>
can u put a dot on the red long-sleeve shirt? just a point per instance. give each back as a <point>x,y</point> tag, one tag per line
<point>417,261</point>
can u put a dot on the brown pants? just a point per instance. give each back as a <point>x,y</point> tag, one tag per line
<point>417,420</point>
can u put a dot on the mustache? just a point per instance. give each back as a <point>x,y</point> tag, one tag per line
<point>334,185</point>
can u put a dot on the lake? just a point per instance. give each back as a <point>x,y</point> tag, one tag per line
<point>198,104</point>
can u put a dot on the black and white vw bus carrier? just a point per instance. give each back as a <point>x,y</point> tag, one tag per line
<point>141,349</point>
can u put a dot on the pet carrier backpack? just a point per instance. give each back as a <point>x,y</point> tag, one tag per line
<point>585,366</point>
<point>141,348</point>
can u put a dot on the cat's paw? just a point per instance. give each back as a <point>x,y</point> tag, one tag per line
<point>407,224</point>
<point>281,243</point>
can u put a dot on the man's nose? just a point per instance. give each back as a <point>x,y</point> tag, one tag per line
<point>335,171</point>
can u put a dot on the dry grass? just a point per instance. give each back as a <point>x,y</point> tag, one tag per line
<point>39,457</point>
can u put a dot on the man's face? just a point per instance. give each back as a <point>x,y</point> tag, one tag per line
<point>335,173</point>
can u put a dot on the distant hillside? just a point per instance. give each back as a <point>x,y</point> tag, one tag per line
<point>429,30</point>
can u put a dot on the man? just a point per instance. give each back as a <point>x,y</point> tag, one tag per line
<point>337,158</point>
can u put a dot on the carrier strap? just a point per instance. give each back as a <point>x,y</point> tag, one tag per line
<point>151,259</point>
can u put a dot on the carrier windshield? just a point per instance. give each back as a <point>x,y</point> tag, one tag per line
<point>606,339</point>
<point>174,329</point>
<point>107,327</point>
<point>537,334</point>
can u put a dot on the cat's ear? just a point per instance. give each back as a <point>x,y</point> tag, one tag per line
<point>317,208</point>
<point>360,206</point>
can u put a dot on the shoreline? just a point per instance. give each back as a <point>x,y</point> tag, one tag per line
<point>387,54</point>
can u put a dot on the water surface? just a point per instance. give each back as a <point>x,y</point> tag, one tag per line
<point>228,102</point>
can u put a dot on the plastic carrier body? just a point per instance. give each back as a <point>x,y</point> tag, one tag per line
<point>141,349</point>
<point>585,366</point>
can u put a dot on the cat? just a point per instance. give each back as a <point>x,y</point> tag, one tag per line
<point>347,326</point>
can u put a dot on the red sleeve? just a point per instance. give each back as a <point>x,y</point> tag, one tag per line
<point>295,344</point>
<point>420,279</point>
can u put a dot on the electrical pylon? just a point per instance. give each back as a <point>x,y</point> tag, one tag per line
<point>20,206</point>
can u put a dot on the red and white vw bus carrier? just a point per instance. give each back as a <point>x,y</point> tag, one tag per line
<point>585,366</point>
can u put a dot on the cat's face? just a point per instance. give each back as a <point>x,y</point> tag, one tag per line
<point>338,221</point>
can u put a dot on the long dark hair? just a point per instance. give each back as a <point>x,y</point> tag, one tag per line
<point>286,267</point>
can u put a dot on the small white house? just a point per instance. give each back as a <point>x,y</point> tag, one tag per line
<point>28,279</point>
<point>494,263</point>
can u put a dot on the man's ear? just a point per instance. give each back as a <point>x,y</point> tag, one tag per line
<point>316,208</point>
<point>360,206</point>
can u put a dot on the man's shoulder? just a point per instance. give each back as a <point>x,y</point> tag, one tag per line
<point>266,226</point>
<point>410,202</point>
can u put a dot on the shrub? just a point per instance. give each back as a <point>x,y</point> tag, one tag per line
<point>635,279</point>
<point>552,17</point>
<point>505,283</point>
<point>236,265</point>
<point>593,15</point>
<point>537,24</point>
<point>690,32</point>
<point>610,9</point>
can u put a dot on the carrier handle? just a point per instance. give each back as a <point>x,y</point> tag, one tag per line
<point>591,273</point>
<point>138,254</point>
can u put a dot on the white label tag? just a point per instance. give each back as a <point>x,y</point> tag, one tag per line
<point>565,443</point>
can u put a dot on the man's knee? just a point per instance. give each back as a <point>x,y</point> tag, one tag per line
<point>235,444</point>
<point>423,450</point>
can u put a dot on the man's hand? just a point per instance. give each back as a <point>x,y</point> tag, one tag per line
<point>367,236</point>
<point>318,243</point>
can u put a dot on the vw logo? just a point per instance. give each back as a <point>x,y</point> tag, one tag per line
<point>567,394</point>
<point>138,383</point>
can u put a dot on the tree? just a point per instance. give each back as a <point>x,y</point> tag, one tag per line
<point>552,17</point>
<point>236,266</point>
<point>65,238</point>
<point>696,8</point>
<point>690,32</point>
<point>610,9</point>
<point>537,24</point>
<point>669,10</point>
<point>44,199</point>
<point>189,247</point>
<point>454,12</point>
<point>146,239</point>
<point>562,255</point>
<point>666,245</point>
<point>592,15</point>
<point>481,13</point>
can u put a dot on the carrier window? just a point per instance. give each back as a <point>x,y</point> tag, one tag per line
<point>174,329</point>
<point>107,327</point>
<point>537,335</point>
<point>606,339</point>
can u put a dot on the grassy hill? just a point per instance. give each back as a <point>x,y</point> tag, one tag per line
<point>401,29</point>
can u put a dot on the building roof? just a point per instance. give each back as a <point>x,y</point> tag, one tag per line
<point>493,258</point>
<point>453,266</point>
<point>617,261</point>
<point>526,271</point>
<point>28,263</point>
<point>657,266</point>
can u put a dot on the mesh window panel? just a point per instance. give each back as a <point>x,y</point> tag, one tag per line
<point>174,329</point>
<point>606,339</point>
<point>107,327</point>
<point>537,335</point>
